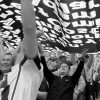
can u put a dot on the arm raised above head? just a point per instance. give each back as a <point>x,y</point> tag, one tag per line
<point>2,51</point>
<point>29,28</point>
<point>73,58</point>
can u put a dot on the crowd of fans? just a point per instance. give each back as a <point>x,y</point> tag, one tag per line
<point>88,86</point>
<point>87,83</point>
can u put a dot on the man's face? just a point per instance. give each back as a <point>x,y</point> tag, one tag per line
<point>64,69</point>
<point>6,62</point>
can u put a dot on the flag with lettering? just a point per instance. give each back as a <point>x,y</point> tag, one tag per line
<point>69,25</point>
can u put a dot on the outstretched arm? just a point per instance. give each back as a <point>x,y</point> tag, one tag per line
<point>78,71</point>
<point>18,54</point>
<point>2,51</point>
<point>47,73</point>
<point>29,28</point>
<point>73,58</point>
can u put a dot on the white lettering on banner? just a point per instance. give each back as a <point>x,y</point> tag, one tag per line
<point>63,42</point>
<point>49,25</point>
<point>16,5</point>
<point>77,41</point>
<point>46,36</point>
<point>69,31</point>
<point>43,23</point>
<point>9,12</point>
<point>57,3</point>
<point>77,36</point>
<point>52,31</point>
<point>6,33</point>
<point>59,41</point>
<point>88,36</point>
<point>93,14</point>
<point>82,4</point>
<point>42,12</point>
<point>4,6</point>
<point>35,2</point>
<point>92,5</point>
<point>17,31</point>
<point>63,15</point>
<point>67,36</point>
<point>9,21</point>
<point>65,39</point>
<point>37,18</point>
<point>78,5</point>
<point>16,40</point>
<point>90,41</point>
<point>82,30</point>
<point>18,18</point>
<point>50,4</point>
<point>57,28</point>
<point>62,22</point>
<point>73,45</point>
<point>53,36</point>
<point>45,29</point>
<point>83,14</point>
<point>82,23</point>
<point>3,15</point>
<point>53,21</point>
<point>18,12</point>
<point>97,21</point>
<point>52,39</point>
<point>64,8</point>
<point>65,24</point>
<point>38,23</point>
<point>95,31</point>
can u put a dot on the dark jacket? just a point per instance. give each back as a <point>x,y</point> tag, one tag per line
<point>61,89</point>
<point>43,87</point>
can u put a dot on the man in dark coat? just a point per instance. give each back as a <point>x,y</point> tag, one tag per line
<point>62,87</point>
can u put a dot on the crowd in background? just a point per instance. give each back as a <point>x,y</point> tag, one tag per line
<point>88,86</point>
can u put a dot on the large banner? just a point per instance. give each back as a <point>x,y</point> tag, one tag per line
<point>69,25</point>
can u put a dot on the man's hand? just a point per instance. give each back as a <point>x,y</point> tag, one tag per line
<point>39,33</point>
<point>75,96</point>
<point>40,48</point>
<point>84,53</point>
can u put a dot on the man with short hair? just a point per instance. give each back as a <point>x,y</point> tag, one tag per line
<point>62,87</point>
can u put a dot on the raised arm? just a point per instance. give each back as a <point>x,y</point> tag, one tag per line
<point>2,51</point>
<point>73,60</point>
<point>47,73</point>
<point>18,54</point>
<point>78,71</point>
<point>29,28</point>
